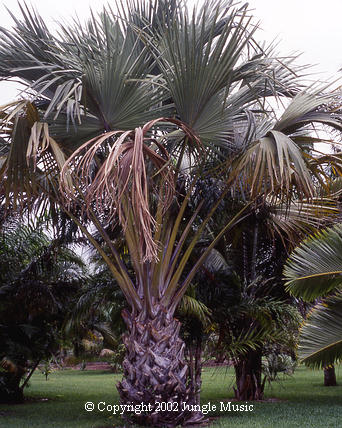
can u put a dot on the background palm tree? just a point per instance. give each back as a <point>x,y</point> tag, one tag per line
<point>253,319</point>
<point>122,117</point>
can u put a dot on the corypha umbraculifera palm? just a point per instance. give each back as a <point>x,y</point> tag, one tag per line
<point>121,118</point>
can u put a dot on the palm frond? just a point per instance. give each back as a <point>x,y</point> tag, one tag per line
<point>95,70</point>
<point>274,165</point>
<point>321,335</point>
<point>192,307</point>
<point>301,218</point>
<point>27,253</point>
<point>199,54</point>
<point>283,158</point>
<point>315,267</point>
<point>308,107</point>
<point>215,262</point>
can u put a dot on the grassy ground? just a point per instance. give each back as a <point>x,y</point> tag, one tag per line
<point>302,401</point>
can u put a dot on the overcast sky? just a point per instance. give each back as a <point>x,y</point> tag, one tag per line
<point>309,26</point>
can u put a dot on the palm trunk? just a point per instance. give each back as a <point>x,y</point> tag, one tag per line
<point>249,385</point>
<point>198,370</point>
<point>155,372</point>
<point>10,391</point>
<point>195,351</point>
<point>220,354</point>
<point>330,376</point>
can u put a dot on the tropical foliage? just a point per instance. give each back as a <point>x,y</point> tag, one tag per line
<point>241,280</point>
<point>38,280</point>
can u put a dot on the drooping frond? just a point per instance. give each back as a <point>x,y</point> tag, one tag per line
<point>308,108</point>
<point>283,160</point>
<point>16,179</point>
<point>300,218</point>
<point>274,164</point>
<point>32,158</point>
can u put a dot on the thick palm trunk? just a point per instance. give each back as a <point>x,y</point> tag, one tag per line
<point>248,370</point>
<point>330,376</point>
<point>10,391</point>
<point>155,372</point>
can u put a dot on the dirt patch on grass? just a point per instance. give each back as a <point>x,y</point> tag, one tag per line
<point>265,400</point>
<point>3,414</point>
<point>31,400</point>
<point>91,366</point>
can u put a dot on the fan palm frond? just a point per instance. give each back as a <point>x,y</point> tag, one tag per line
<point>283,160</point>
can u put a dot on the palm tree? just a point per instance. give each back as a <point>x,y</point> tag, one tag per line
<point>314,271</point>
<point>122,116</point>
<point>253,317</point>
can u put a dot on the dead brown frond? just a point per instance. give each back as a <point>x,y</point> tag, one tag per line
<point>118,173</point>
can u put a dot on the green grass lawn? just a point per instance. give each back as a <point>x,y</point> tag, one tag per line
<point>302,401</point>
